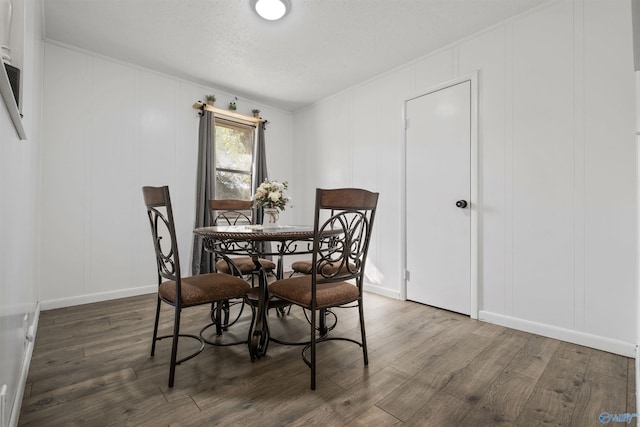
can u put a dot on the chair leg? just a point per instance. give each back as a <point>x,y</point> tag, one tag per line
<point>363,333</point>
<point>174,347</point>
<point>322,327</point>
<point>251,325</point>
<point>219,318</point>
<point>313,349</point>
<point>155,328</point>
<point>226,310</point>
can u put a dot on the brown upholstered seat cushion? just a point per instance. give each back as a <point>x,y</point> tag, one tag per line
<point>298,290</point>
<point>306,266</point>
<point>244,264</point>
<point>303,267</point>
<point>205,288</point>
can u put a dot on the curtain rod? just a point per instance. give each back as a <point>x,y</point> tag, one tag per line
<point>226,114</point>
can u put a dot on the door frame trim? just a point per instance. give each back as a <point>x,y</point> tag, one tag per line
<point>474,203</point>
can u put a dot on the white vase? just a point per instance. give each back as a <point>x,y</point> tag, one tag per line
<point>270,218</point>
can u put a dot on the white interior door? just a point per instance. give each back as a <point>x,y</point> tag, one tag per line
<point>438,198</point>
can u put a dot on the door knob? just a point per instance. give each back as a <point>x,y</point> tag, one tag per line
<point>461,204</point>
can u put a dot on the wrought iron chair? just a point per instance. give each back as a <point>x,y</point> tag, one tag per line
<point>305,266</point>
<point>340,247</point>
<point>175,290</point>
<point>236,212</point>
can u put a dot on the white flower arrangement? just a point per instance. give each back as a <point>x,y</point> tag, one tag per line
<point>270,195</point>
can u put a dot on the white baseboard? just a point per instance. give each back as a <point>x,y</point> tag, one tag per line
<point>637,382</point>
<point>622,348</point>
<point>24,372</point>
<point>97,297</point>
<point>385,292</point>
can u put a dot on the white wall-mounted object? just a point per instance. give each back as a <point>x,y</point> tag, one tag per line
<point>10,102</point>
<point>6,12</point>
<point>12,39</point>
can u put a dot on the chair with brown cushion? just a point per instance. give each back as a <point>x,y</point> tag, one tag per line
<point>240,212</point>
<point>301,267</point>
<point>304,266</point>
<point>175,290</point>
<point>236,212</point>
<point>340,241</point>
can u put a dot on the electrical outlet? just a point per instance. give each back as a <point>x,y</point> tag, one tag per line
<point>4,416</point>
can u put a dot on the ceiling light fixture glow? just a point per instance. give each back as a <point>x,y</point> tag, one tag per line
<point>271,10</point>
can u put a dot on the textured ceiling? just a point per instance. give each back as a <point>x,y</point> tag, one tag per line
<point>318,49</point>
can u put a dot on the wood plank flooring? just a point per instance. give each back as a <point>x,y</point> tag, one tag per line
<point>427,367</point>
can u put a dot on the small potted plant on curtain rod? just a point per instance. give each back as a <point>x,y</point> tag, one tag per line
<point>211,99</point>
<point>232,104</point>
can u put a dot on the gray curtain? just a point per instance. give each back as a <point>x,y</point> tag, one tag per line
<point>260,166</point>
<point>202,261</point>
<point>259,175</point>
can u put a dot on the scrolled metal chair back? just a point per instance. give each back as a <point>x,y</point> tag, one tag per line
<point>231,212</point>
<point>341,242</point>
<point>160,213</point>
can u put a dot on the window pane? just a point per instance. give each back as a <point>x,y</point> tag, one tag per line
<point>234,147</point>
<point>231,185</point>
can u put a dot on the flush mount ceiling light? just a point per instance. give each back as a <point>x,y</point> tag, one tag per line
<point>271,10</point>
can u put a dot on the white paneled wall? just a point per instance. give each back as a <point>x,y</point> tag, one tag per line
<point>111,128</point>
<point>486,53</point>
<point>542,139</point>
<point>610,215</point>
<point>19,220</point>
<point>64,174</point>
<point>558,190</point>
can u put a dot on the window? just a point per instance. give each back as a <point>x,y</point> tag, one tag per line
<point>234,159</point>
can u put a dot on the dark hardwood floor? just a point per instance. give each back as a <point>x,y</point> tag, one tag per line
<point>427,367</point>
